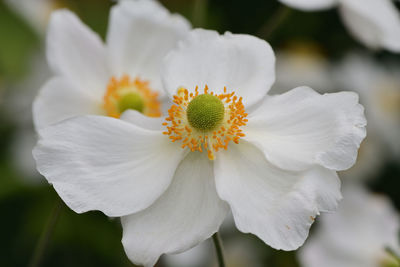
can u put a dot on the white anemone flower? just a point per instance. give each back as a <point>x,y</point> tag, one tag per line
<point>356,235</point>
<point>225,145</point>
<point>375,23</point>
<point>93,78</point>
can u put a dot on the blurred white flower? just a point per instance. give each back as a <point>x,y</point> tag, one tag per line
<point>302,64</point>
<point>36,12</point>
<point>376,23</point>
<point>18,102</point>
<point>198,256</point>
<point>279,176</point>
<point>379,90</point>
<point>356,235</point>
<point>93,78</point>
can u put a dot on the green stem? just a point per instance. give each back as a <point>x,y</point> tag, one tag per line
<point>46,234</point>
<point>219,249</point>
<point>269,27</point>
<point>200,13</point>
<point>393,254</point>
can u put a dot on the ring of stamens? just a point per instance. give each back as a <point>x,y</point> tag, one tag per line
<point>124,93</point>
<point>211,139</point>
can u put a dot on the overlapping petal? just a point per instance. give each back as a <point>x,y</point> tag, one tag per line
<point>276,205</point>
<point>242,63</point>
<point>140,34</point>
<point>188,213</point>
<point>76,52</point>
<point>301,128</point>
<point>60,99</point>
<point>106,164</point>
<point>376,23</point>
<point>143,121</point>
<point>309,5</point>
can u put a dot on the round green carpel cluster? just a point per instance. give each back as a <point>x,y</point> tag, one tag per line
<point>131,101</point>
<point>205,112</point>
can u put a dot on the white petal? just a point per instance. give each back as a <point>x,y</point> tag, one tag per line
<point>376,23</point>
<point>188,213</point>
<point>242,63</point>
<point>59,99</point>
<point>310,5</point>
<point>140,34</point>
<point>278,206</point>
<point>106,164</point>
<point>143,121</point>
<point>76,52</point>
<point>301,128</point>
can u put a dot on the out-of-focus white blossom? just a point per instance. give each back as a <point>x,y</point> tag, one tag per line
<point>302,64</point>
<point>18,105</point>
<point>91,77</point>
<point>36,12</point>
<point>376,23</point>
<point>199,256</point>
<point>379,90</point>
<point>356,235</point>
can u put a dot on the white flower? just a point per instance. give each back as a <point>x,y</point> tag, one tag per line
<point>302,64</point>
<point>376,23</point>
<point>93,78</point>
<point>273,158</point>
<point>356,235</point>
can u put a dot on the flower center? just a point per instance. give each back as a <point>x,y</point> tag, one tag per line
<point>124,93</point>
<point>205,112</point>
<point>131,101</point>
<point>205,121</point>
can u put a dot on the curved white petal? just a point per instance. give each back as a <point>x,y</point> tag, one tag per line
<point>140,34</point>
<point>310,5</point>
<point>59,99</point>
<point>376,23</point>
<point>106,164</point>
<point>276,205</point>
<point>242,63</point>
<point>301,128</point>
<point>76,52</point>
<point>143,121</point>
<point>188,213</point>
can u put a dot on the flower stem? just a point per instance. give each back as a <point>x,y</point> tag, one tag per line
<point>200,13</point>
<point>46,234</point>
<point>219,249</point>
<point>393,254</point>
<point>268,28</point>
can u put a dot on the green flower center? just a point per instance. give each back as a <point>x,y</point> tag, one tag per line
<point>131,101</point>
<point>205,112</point>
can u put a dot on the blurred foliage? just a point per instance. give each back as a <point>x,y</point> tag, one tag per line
<point>92,239</point>
<point>17,43</point>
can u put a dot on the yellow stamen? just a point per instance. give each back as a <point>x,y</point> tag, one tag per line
<point>210,140</point>
<point>121,90</point>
